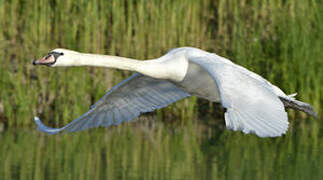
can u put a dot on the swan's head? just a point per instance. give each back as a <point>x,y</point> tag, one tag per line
<point>58,57</point>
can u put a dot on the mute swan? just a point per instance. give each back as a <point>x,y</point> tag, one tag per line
<point>253,105</point>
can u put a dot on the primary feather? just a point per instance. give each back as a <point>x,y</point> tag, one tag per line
<point>124,102</point>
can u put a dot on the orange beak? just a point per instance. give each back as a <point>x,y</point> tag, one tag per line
<point>47,60</point>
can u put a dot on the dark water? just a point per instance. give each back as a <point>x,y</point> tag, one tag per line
<point>157,152</point>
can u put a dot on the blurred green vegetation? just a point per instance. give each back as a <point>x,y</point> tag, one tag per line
<point>159,153</point>
<point>280,39</point>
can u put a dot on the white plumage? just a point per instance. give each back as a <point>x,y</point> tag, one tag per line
<point>253,104</point>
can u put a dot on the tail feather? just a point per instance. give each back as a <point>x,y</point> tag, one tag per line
<point>291,102</point>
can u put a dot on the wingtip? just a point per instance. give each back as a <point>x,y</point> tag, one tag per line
<point>43,128</point>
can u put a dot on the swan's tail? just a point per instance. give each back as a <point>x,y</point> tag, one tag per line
<point>291,102</point>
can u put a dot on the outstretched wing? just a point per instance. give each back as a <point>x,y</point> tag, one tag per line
<point>252,106</point>
<point>124,102</point>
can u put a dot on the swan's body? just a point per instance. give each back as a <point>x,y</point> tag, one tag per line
<point>253,104</point>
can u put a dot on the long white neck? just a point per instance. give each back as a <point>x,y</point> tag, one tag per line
<point>173,68</point>
<point>97,60</point>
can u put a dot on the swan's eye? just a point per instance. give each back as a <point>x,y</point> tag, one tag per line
<point>61,54</point>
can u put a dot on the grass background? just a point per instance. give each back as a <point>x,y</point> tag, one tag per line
<point>280,39</point>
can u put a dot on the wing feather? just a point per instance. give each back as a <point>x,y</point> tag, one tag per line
<point>251,102</point>
<point>124,102</point>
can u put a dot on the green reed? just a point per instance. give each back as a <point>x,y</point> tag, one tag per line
<point>280,41</point>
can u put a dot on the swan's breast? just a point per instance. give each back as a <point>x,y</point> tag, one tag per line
<point>198,82</point>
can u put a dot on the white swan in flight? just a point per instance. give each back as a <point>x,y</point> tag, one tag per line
<point>253,105</point>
